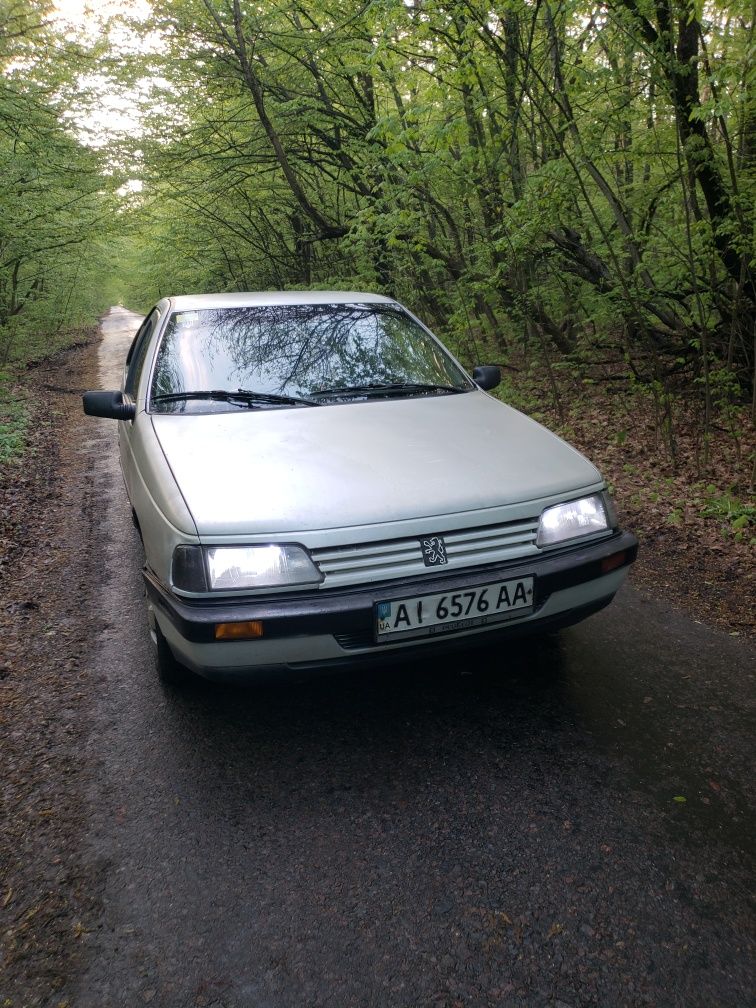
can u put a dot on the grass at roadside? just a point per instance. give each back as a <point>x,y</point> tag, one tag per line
<point>26,349</point>
<point>15,412</point>
<point>14,420</point>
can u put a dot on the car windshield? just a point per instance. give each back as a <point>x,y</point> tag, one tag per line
<point>296,355</point>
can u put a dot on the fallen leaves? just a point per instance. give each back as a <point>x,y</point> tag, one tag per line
<point>668,506</point>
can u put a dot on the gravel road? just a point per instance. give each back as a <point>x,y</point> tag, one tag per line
<point>566,822</point>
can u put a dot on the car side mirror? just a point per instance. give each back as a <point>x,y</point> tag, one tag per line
<point>108,404</point>
<point>487,376</point>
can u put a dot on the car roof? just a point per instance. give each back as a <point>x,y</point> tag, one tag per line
<point>248,299</point>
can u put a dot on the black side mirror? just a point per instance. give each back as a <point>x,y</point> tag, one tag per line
<point>108,404</point>
<point>487,376</point>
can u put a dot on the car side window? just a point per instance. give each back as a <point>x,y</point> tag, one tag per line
<point>138,352</point>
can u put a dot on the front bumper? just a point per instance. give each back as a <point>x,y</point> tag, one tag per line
<point>328,628</point>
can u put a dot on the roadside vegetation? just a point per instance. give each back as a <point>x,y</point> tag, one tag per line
<point>564,189</point>
<point>566,181</point>
<point>57,206</point>
<point>695,517</point>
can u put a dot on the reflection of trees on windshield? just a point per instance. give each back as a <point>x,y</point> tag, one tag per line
<point>168,377</point>
<point>297,349</point>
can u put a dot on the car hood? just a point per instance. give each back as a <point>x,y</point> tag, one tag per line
<point>251,472</point>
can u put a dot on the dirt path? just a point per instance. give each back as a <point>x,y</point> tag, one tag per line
<point>52,566</point>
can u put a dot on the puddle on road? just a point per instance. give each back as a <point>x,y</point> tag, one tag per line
<point>118,329</point>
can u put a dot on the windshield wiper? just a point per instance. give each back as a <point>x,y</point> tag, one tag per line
<point>246,396</point>
<point>387,389</point>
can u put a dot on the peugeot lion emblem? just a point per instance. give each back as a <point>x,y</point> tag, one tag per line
<point>434,551</point>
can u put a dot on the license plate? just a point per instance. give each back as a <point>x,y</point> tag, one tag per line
<point>428,615</point>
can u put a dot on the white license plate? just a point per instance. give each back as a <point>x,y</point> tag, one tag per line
<point>427,615</point>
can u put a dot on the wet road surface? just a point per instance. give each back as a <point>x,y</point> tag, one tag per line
<point>563,822</point>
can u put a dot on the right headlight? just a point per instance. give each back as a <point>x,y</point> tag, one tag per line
<point>573,519</point>
<point>224,568</point>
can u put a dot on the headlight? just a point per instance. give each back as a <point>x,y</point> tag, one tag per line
<point>259,567</point>
<point>575,518</point>
<point>230,567</point>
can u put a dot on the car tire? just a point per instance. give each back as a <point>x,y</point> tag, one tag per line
<point>170,672</point>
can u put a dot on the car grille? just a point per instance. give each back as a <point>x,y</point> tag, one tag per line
<point>397,558</point>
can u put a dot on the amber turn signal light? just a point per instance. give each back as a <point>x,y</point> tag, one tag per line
<point>244,630</point>
<point>612,562</point>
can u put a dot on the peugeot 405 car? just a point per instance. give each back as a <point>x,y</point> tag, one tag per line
<point>317,481</point>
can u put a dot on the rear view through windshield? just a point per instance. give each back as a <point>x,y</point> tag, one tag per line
<point>302,351</point>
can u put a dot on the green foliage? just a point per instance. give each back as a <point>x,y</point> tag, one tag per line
<point>738,514</point>
<point>56,204</point>
<point>14,420</point>
<point>518,391</point>
<point>520,178</point>
<point>537,181</point>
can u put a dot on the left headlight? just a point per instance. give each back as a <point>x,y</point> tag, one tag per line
<point>259,567</point>
<point>230,567</point>
<point>581,517</point>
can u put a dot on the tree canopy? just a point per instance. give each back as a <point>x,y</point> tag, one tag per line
<point>533,170</point>
<point>562,178</point>
<point>56,205</point>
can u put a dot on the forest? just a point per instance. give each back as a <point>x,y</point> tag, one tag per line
<point>564,189</point>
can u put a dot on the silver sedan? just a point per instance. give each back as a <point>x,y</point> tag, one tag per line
<point>318,481</point>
